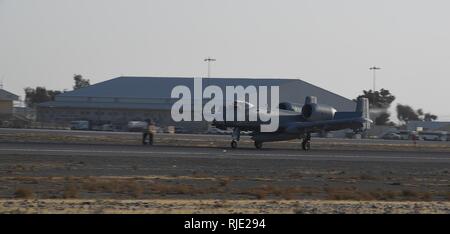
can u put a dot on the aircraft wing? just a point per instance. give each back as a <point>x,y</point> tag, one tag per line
<point>327,125</point>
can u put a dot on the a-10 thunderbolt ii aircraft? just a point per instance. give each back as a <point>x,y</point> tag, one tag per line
<point>296,122</point>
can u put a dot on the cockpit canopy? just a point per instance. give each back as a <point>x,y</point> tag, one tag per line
<point>289,107</point>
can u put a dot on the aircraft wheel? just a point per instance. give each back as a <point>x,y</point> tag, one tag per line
<point>258,144</point>
<point>234,144</point>
<point>306,146</point>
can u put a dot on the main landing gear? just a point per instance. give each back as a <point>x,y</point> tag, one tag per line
<point>258,144</point>
<point>306,143</point>
<point>236,135</point>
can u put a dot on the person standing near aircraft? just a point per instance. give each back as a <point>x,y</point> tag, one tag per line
<point>149,133</point>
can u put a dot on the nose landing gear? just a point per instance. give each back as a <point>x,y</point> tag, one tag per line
<point>306,143</point>
<point>233,144</point>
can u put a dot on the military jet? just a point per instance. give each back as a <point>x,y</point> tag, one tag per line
<point>297,122</point>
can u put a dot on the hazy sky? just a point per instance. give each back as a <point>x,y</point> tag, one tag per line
<point>328,43</point>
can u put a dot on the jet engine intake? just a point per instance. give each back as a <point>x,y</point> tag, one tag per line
<point>318,112</point>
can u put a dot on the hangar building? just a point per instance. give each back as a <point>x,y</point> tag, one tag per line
<point>7,104</point>
<point>428,125</point>
<point>124,99</point>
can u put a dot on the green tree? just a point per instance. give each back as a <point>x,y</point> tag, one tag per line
<point>383,119</point>
<point>80,82</point>
<point>406,113</point>
<point>379,101</point>
<point>39,95</point>
<point>429,117</point>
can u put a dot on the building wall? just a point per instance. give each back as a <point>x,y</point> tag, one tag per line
<point>428,125</point>
<point>6,107</point>
<point>117,117</point>
<point>100,115</point>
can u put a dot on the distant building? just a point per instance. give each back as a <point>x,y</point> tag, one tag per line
<point>428,125</point>
<point>124,99</point>
<point>7,104</point>
<point>24,112</point>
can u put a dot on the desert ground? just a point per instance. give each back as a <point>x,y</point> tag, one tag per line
<point>49,171</point>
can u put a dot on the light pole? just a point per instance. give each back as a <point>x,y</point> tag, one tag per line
<point>374,69</point>
<point>209,60</point>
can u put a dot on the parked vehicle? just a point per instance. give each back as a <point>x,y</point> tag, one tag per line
<point>216,131</point>
<point>434,136</point>
<point>171,129</point>
<point>107,127</point>
<point>160,130</point>
<point>391,136</point>
<point>136,126</point>
<point>180,130</point>
<point>353,135</point>
<point>80,125</point>
<point>409,135</point>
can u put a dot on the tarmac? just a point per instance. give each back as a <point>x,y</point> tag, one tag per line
<point>97,165</point>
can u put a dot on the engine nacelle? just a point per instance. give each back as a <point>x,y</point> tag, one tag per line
<point>317,112</point>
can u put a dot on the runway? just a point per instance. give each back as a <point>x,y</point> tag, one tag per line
<point>173,152</point>
<point>248,168</point>
<point>8,132</point>
<point>116,166</point>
